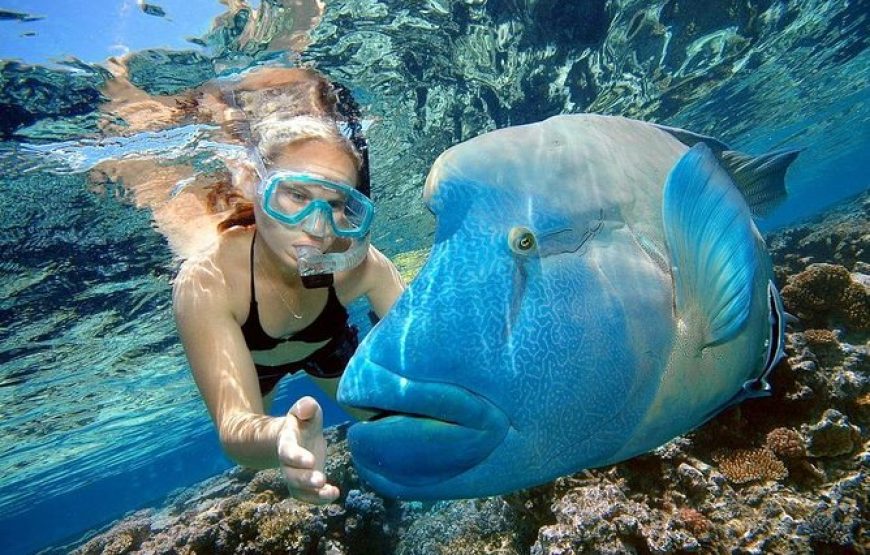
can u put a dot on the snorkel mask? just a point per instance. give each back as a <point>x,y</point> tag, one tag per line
<point>320,207</point>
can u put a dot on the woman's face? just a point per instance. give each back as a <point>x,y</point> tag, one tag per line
<point>316,157</point>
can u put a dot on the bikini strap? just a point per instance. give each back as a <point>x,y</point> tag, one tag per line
<point>253,291</point>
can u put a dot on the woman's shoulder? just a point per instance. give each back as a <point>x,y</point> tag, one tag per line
<point>218,271</point>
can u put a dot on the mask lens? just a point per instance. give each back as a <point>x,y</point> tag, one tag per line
<point>291,198</point>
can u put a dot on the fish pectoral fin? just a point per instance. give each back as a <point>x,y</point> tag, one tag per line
<point>712,241</point>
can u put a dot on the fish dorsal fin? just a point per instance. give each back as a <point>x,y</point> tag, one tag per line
<point>712,240</point>
<point>761,179</point>
<point>690,138</point>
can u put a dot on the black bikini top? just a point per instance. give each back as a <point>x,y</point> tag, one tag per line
<point>330,323</point>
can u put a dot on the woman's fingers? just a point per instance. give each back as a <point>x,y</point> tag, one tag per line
<point>309,486</point>
<point>293,455</point>
<point>308,412</point>
<point>301,452</point>
<point>326,494</point>
<point>304,480</point>
<point>309,425</point>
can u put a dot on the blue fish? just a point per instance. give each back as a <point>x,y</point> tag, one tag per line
<point>597,286</point>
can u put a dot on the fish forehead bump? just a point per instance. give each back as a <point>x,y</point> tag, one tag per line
<point>583,151</point>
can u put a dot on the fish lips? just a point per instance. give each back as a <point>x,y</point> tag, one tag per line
<point>423,433</point>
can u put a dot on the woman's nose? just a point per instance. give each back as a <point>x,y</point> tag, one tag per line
<point>316,224</point>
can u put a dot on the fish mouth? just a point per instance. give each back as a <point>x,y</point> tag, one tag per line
<point>381,414</point>
<point>423,433</point>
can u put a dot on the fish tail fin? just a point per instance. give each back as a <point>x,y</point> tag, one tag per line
<point>713,244</point>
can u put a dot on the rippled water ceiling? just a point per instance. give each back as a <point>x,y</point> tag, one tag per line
<point>438,72</point>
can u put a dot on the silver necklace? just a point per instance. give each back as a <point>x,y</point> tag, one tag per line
<point>278,292</point>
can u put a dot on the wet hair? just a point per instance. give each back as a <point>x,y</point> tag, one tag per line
<point>274,134</point>
<point>306,107</point>
<point>349,110</point>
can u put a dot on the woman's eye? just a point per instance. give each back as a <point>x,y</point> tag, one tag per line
<point>296,195</point>
<point>337,205</point>
<point>522,240</point>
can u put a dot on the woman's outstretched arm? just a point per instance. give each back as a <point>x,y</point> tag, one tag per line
<point>224,372</point>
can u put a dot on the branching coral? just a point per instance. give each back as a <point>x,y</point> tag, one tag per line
<point>749,465</point>
<point>820,338</point>
<point>827,528</point>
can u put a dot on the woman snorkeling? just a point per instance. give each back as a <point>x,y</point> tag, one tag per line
<point>269,298</point>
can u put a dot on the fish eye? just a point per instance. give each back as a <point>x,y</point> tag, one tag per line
<point>522,240</point>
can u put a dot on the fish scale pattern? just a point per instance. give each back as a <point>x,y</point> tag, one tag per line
<point>516,365</point>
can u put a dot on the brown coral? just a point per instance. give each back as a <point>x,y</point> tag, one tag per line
<point>833,436</point>
<point>694,521</point>
<point>825,293</point>
<point>820,338</point>
<point>268,480</point>
<point>748,465</point>
<point>786,443</point>
<point>121,543</point>
<point>862,408</point>
<point>856,303</point>
<point>825,346</point>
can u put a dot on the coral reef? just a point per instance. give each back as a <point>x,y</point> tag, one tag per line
<point>783,474</point>
<point>838,236</point>
<point>474,526</point>
<point>245,512</point>
<point>786,443</point>
<point>824,266</point>
<point>827,295</point>
<point>748,465</point>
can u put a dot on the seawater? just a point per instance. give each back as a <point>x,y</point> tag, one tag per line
<point>98,413</point>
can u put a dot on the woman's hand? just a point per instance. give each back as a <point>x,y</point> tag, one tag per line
<point>302,453</point>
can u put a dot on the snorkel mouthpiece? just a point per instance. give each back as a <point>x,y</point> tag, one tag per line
<point>316,268</point>
<point>311,270</point>
<point>318,281</point>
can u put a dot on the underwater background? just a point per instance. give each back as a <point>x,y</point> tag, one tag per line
<point>98,413</point>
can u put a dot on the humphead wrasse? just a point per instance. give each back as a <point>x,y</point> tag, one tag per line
<point>596,287</point>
